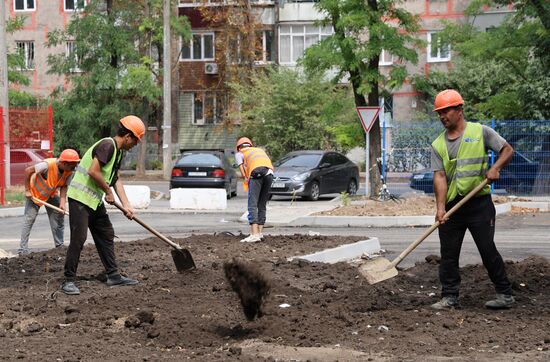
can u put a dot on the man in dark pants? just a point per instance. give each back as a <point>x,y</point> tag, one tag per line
<point>460,163</point>
<point>257,171</point>
<point>94,177</point>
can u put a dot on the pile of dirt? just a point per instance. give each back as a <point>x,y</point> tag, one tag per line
<point>313,310</point>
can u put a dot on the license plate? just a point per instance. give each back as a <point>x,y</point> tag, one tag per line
<point>278,185</point>
<point>418,177</point>
<point>197,173</point>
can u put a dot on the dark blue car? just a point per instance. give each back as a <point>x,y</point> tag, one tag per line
<point>517,177</point>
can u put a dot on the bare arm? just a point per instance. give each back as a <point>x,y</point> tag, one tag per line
<point>29,171</point>
<point>440,189</point>
<point>63,197</point>
<point>95,173</point>
<point>505,155</point>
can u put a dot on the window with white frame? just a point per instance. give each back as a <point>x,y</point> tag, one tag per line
<point>24,5</point>
<point>386,58</point>
<point>438,50</point>
<point>74,5</point>
<point>200,47</point>
<point>72,55</point>
<point>207,108</point>
<point>26,50</point>
<point>267,46</point>
<point>296,38</point>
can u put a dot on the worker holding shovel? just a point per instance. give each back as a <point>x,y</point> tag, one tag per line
<point>42,183</point>
<point>93,179</point>
<point>460,164</point>
<point>257,171</point>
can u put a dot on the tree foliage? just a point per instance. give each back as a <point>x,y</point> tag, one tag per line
<point>284,110</point>
<point>115,69</point>
<point>362,29</point>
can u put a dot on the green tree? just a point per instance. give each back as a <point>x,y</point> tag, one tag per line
<point>362,30</point>
<point>113,71</point>
<point>284,110</point>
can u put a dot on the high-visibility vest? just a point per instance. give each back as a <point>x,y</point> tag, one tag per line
<point>253,158</point>
<point>44,188</point>
<point>83,188</point>
<point>468,169</point>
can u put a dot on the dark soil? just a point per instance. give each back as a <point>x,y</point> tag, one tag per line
<point>333,313</point>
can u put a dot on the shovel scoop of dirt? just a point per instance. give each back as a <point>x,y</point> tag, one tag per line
<point>249,284</point>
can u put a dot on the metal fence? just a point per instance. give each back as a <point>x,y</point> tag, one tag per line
<point>407,149</point>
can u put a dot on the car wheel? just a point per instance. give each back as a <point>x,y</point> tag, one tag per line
<point>314,191</point>
<point>352,187</point>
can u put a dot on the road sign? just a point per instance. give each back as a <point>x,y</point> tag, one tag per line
<point>367,115</point>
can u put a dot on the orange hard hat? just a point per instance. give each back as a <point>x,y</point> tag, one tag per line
<point>135,125</point>
<point>242,141</point>
<point>69,155</point>
<point>447,98</point>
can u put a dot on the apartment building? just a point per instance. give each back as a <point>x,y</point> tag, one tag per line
<point>40,17</point>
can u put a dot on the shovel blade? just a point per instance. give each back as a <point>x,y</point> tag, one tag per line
<point>377,270</point>
<point>183,260</point>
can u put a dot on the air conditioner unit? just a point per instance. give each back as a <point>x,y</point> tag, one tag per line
<point>210,68</point>
<point>199,122</point>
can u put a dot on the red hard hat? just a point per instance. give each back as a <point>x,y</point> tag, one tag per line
<point>242,141</point>
<point>447,98</point>
<point>69,155</point>
<point>135,125</point>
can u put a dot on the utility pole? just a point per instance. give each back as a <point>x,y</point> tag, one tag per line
<point>167,95</point>
<point>4,91</point>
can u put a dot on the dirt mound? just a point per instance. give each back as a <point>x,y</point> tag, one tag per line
<point>313,309</point>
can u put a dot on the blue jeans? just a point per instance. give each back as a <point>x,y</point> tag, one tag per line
<point>258,194</point>
<point>57,223</point>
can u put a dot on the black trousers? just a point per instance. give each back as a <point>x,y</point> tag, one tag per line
<point>258,194</point>
<point>81,218</point>
<point>478,216</point>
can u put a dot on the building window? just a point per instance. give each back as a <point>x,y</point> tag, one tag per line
<point>207,108</point>
<point>267,46</point>
<point>295,39</point>
<point>385,58</point>
<point>201,47</point>
<point>72,56</point>
<point>26,50</point>
<point>24,5</point>
<point>74,5</point>
<point>438,51</point>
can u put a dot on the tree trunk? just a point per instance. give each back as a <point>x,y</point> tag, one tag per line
<point>542,182</point>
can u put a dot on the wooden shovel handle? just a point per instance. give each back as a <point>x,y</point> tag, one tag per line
<point>61,211</point>
<point>153,231</point>
<point>427,233</point>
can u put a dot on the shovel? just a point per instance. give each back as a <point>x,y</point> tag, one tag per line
<point>182,257</point>
<point>61,211</point>
<point>381,269</point>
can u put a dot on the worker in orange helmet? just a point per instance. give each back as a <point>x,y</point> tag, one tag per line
<point>47,181</point>
<point>93,179</point>
<point>460,164</point>
<point>257,171</point>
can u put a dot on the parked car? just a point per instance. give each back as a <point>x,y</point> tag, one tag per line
<point>204,169</point>
<point>517,177</point>
<point>20,159</point>
<point>310,174</point>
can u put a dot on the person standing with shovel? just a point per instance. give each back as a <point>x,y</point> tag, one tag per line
<point>93,179</point>
<point>460,163</point>
<point>42,182</point>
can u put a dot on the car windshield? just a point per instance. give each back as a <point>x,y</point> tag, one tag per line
<point>199,158</point>
<point>307,160</point>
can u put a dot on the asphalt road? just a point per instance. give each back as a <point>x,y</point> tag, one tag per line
<point>518,236</point>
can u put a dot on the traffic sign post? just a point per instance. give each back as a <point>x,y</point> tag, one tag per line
<point>367,115</point>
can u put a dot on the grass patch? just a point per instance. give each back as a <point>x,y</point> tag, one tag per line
<point>14,196</point>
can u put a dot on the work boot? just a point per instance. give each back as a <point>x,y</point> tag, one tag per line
<point>502,301</point>
<point>118,279</point>
<point>252,238</point>
<point>447,302</point>
<point>70,288</point>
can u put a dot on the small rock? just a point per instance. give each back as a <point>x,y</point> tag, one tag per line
<point>34,327</point>
<point>146,316</point>
<point>433,259</point>
<point>236,350</point>
<point>383,329</point>
<point>153,333</point>
<point>71,309</point>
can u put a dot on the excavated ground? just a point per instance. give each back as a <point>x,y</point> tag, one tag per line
<point>332,313</point>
